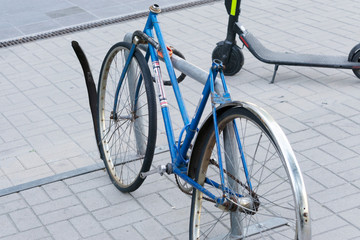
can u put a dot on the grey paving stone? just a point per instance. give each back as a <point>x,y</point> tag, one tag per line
<point>174,199</point>
<point>83,178</point>
<point>312,186</point>
<point>30,174</point>
<point>5,182</point>
<point>113,195</point>
<point>90,184</point>
<point>104,236</point>
<point>116,210</point>
<point>179,228</point>
<point>62,214</point>
<point>31,159</point>
<point>11,203</point>
<point>332,132</point>
<point>352,216</point>
<point>93,200</point>
<point>291,125</point>
<point>335,193</point>
<point>125,219</point>
<point>151,229</point>
<point>6,227</point>
<point>11,165</point>
<point>351,175</point>
<point>86,225</point>
<point>326,177</point>
<point>25,219</point>
<point>320,157</point>
<point>174,215</point>
<point>32,234</point>
<point>63,230</point>
<point>309,143</point>
<point>318,211</point>
<point>55,205</point>
<point>35,196</point>
<point>127,232</point>
<point>61,166</point>
<point>155,204</point>
<point>150,188</point>
<point>346,232</point>
<point>323,225</point>
<point>343,204</point>
<point>57,190</point>
<point>335,148</point>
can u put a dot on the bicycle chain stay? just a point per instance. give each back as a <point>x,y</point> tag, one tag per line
<point>213,162</point>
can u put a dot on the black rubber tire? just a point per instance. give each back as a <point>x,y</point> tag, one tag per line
<point>235,61</point>
<point>355,57</point>
<point>203,210</point>
<point>126,154</point>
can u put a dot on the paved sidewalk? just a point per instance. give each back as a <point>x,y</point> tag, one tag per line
<point>46,128</point>
<point>19,18</point>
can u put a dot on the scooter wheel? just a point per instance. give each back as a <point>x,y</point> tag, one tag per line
<point>354,56</point>
<point>235,61</point>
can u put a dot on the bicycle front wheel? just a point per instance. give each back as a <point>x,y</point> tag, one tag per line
<point>128,130</point>
<point>264,193</point>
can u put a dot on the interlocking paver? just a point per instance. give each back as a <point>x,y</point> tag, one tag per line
<point>151,229</point>
<point>155,204</point>
<point>334,193</point>
<point>63,230</point>
<point>6,227</point>
<point>62,214</point>
<point>32,234</point>
<point>346,232</point>
<point>127,232</point>
<point>57,190</point>
<point>125,219</point>
<point>86,225</point>
<point>46,124</point>
<point>25,219</point>
<point>93,199</point>
<point>342,204</point>
<point>55,205</point>
<point>35,196</point>
<point>325,224</point>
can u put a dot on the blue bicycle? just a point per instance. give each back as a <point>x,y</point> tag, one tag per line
<point>238,165</point>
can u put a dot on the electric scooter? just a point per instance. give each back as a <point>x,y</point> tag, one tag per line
<point>233,59</point>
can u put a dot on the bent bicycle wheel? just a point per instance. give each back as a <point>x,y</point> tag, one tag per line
<point>128,130</point>
<point>269,202</point>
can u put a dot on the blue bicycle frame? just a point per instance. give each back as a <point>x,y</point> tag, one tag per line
<point>178,151</point>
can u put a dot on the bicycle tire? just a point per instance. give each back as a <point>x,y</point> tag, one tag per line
<point>128,136</point>
<point>290,200</point>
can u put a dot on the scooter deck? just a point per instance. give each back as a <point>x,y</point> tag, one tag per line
<point>295,59</point>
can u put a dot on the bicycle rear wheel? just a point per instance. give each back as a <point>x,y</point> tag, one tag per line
<point>271,210</point>
<point>128,134</point>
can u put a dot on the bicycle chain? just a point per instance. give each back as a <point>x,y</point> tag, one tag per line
<point>213,162</point>
<point>252,193</point>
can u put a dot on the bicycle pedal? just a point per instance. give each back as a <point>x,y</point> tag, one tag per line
<point>160,170</point>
